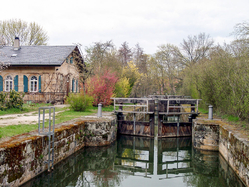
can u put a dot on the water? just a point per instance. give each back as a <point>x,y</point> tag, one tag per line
<point>139,161</point>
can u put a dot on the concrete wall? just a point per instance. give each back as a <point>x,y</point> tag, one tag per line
<point>215,135</point>
<point>24,159</point>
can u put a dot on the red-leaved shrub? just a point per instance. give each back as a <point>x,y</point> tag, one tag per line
<point>101,87</point>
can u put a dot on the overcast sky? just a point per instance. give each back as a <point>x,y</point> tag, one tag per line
<point>149,23</point>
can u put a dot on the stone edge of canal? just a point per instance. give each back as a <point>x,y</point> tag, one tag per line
<point>216,135</point>
<point>24,159</point>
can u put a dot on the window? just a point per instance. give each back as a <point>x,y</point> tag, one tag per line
<point>8,83</point>
<point>71,60</point>
<point>33,84</point>
<point>76,85</point>
<point>73,85</point>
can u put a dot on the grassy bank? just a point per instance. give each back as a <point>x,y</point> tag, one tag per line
<point>230,119</point>
<point>12,130</point>
<point>26,108</point>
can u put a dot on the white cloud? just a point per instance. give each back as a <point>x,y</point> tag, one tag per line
<point>150,23</point>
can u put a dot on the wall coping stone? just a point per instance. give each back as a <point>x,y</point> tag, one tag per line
<point>28,152</point>
<point>233,144</point>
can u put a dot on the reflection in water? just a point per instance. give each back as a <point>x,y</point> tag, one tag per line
<point>140,161</point>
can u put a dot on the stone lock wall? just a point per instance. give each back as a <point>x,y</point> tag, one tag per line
<point>24,159</point>
<point>215,135</point>
<point>89,159</point>
<point>235,150</point>
<point>206,136</point>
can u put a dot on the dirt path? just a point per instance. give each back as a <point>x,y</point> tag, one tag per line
<point>26,118</point>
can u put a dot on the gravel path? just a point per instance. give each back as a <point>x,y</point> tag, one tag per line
<point>26,118</point>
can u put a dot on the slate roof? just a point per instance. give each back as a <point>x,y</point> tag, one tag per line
<point>35,55</point>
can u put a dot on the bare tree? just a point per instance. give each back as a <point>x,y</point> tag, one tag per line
<point>85,70</point>
<point>4,63</point>
<point>125,53</point>
<point>139,58</point>
<point>56,85</point>
<point>28,33</point>
<point>96,54</point>
<point>194,49</point>
<point>166,64</point>
<point>241,30</point>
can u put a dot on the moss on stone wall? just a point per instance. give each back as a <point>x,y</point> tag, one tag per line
<point>23,156</point>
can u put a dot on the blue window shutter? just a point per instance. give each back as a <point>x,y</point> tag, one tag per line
<point>76,85</point>
<point>1,83</point>
<point>39,83</point>
<point>25,83</point>
<point>16,83</point>
<point>71,60</point>
<point>73,85</point>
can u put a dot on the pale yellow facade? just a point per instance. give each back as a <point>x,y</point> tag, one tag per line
<point>52,81</point>
<point>47,73</point>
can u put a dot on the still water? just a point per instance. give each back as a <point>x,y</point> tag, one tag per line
<point>139,161</point>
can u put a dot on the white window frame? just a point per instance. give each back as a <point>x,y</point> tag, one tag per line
<point>33,84</point>
<point>8,83</point>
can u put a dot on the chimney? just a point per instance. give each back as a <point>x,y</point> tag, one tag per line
<point>16,44</point>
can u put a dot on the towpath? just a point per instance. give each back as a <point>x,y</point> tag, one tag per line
<point>25,118</point>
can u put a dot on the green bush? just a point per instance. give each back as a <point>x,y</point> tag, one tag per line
<point>15,100</point>
<point>3,101</point>
<point>79,102</point>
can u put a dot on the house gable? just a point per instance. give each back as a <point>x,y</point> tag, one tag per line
<point>47,67</point>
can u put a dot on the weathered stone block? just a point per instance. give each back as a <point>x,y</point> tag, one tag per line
<point>19,162</point>
<point>214,135</point>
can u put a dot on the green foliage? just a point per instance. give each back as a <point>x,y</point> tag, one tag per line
<point>14,100</point>
<point>13,130</point>
<point>41,156</point>
<point>122,88</point>
<point>25,108</point>
<point>202,110</point>
<point>3,101</point>
<point>222,80</point>
<point>79,102</point>
<point>231,118</point>
<point>132,74</point>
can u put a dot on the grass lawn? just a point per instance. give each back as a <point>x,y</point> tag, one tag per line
<point>202,110</point>
<point>67,115</point>
<point>26,108</point>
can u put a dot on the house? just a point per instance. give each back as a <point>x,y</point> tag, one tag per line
<point>44,73</point>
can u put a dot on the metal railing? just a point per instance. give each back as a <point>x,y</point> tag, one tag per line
<point>47,132</point>
<point>133,104</point>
